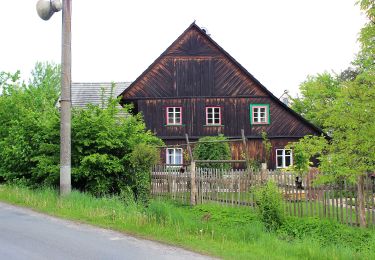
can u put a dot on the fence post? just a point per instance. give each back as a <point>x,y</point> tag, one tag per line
<point>263,173</point>
<point>361,201</point>
<point>193,185</point>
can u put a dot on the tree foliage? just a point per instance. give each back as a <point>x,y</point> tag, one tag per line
<point>105,144</point>
<point>318,94</point>
<point>346,111</point>
<point>29,126</point>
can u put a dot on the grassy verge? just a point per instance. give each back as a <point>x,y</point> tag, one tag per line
<point>230,233</point>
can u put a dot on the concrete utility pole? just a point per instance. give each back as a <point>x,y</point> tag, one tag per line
<point>45,9</point>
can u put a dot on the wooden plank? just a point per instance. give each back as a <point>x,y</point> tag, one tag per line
<point>351,204</point>
<point>341,205</point>
<point>356,208</point>
<point>373,203</point>
<point>220,161</point>
<point>307,194</point>
<point>294,196</point>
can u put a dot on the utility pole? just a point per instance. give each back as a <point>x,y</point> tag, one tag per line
<point>45,9</point>
<point>65,105</point>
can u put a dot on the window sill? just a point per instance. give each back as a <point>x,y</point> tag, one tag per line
<point>255,124</point>
<point>213,125</point>
<point>176,125</point>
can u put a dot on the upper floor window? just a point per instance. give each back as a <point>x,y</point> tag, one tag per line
<point>174,156</point>
<point>284,158</point>
<point>259,114</point>
<point>174,115</point>
<point>213,116</point>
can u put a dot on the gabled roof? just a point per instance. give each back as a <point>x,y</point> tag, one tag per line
<point>193,26</point>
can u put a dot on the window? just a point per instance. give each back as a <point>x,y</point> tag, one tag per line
<point>174,156</point>
<point>174,115</point>
<point>259,114</point>
<point>213,116</point>
<point>284,158</point>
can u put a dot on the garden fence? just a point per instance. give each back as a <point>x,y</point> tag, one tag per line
<point>302,196</point>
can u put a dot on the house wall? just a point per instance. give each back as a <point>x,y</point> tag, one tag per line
<point>235,114</point>
<point>254,150</point>
<point>194,73</point>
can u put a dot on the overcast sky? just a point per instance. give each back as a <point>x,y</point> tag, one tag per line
<point>279,42</point>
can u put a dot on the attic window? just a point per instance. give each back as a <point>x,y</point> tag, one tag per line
<point>213,116</point>
<point>174,115</point>
<point>259,114</point>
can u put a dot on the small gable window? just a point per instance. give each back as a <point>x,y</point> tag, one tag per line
<point>259,114</point>
<point>213,116</point>
<point>284,158</point>
<point>174,156</point>
<point>174,115</point>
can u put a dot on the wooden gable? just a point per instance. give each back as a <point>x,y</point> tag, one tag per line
<point>195,72</point>
<point>194,66</point>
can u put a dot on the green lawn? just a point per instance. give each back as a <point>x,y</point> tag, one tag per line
<point>227,232</point>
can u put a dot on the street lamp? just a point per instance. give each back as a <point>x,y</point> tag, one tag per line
<point>45,9</point>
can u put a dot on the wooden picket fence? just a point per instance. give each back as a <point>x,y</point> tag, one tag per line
<point>234,187</point>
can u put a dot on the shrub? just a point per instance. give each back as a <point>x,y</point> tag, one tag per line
<point>107,154</point>
<point>269,205</point>
<point>102,140</point>
<point>29,127</point>
<point>142,158</point>
<point>213,151</point>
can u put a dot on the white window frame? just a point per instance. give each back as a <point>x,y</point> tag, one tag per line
<point>213,113</point>
<point>257,115</point>
<point>174,155</point>
<point>174,111</point>
<point>283,158</point>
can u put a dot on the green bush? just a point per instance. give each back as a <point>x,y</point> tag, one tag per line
<point>269,205</point>
<point>102,140</point>
<point>107,151</point>
<point>142,158</point>
<point>213,151</point>
<point>29,127</point>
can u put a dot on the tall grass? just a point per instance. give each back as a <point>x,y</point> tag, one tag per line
<point>230,233</point>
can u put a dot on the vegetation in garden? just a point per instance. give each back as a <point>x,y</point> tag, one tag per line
<point>228,232</point>
<point>106,147</point>
<point>269,204</point>
<point>208,148</point>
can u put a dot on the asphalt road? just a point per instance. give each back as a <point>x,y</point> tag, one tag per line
<point>25,234</point>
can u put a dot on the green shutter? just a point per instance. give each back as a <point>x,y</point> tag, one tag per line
<point>267,111</point>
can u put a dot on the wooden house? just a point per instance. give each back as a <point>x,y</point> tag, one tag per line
<point>196,87</point>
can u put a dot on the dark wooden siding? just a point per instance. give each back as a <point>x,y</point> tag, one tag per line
<point>193,67</point>
<point>254,149</point>
<point>195,72</point>
<point>193,43</point>
<point>235,116</point>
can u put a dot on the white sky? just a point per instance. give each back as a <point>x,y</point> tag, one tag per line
<point>279,42</point>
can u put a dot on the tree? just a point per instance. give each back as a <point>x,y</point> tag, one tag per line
<point>107,148</point>
<point>365,58</point>
<point>349,116</point>
<point>318,94</point>
<point>29,126</point>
